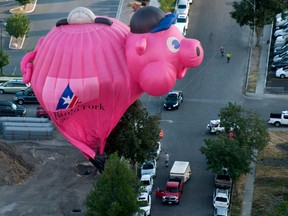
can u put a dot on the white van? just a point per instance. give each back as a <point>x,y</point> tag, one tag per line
<point>182,7</point>
<point>180,169</point>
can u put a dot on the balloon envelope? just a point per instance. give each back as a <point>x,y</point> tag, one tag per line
<point>80,78</point>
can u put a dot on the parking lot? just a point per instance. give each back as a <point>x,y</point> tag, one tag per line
<point>274,85</point>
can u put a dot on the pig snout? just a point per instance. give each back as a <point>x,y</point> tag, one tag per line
<point>191,53</point>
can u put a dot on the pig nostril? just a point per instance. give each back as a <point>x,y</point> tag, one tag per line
<point>198,51</point>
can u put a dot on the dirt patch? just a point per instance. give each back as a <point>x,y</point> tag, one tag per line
<point>49,177</point>
<point>254,68</point>
<point>16,164</point>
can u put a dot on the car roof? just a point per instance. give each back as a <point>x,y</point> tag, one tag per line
<point>143,196</point>
<point>145,177</point>
<point>182,16</point>
<point>217,121</point>
<point>175,92</point>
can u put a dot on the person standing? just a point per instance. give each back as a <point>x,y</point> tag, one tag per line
<point>222,51</point>
<point>166,159</point>
<point>228,56</point>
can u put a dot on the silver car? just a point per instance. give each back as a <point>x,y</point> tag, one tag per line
<point>13,86</point>
<point>281,56</point>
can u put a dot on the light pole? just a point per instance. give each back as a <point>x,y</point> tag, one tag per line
<point>1,47</point>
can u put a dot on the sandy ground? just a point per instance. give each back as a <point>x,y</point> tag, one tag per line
<point>48,177</point>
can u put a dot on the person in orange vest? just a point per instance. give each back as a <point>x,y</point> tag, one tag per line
<point>161,134</point>
<point>231,134</point>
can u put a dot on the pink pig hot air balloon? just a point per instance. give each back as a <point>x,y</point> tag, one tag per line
<point>80,75</point>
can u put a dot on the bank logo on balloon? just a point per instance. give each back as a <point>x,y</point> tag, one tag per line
<point>68,99</point>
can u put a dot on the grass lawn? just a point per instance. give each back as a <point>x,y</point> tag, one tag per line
<point>271,182</point>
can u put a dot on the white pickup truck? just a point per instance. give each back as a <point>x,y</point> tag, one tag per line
<point>279,119</point>
<point>214,126</point>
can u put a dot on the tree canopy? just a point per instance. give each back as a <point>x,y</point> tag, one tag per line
<point>135,136</point>
<point>18,25</point>
<point>116,191</point>
<point>257,13</point>
<point>249,135</point>
<point>4,60</point>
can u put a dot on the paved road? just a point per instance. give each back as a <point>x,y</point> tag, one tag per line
<point>206,89</point>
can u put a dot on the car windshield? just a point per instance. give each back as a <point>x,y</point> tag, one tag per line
<point>181,20</point>
<point>172,97</point>
<point>148,166</point>
<point>145,182</point>
<point>182,6</point>
<point>143,203</point>
<point>14,106</point>
<point>283,54</point>
<point>221,199</point>
<point>172,190</point>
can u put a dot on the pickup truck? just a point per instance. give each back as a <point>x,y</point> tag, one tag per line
<point>223,181</point>
<point>279,119</point>
<point>172,192</point>
<point>214,126</point>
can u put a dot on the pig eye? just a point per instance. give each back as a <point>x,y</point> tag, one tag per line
<point>173,44</point>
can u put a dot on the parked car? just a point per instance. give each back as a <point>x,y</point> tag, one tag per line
<point>41,113</point>
<point>221,198</point>
<point>182,7</point>
<point>149,168</point>
<point>281,40</point>
<point>282,72</point>
<point>173,100</point>
<point>279,50</point>
<point>221,211</point>
<point>182,23</point>
<point>26,96</point>
<point>158,150</point>
<point>13,86</point>
<point>8,108</point>
<point>282,24</point>
<point>279,64</point>
<point>281,16</point>
<point>146,183</point>
<point>214,126</point>
<point>281,32</point>
<point>281,56</point>
<point>144,201</point>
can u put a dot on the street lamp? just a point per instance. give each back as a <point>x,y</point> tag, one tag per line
<point>1,45</point>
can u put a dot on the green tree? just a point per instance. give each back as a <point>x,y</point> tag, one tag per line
<point>4,60</point>
<point>136,135</point>
<point>257,13</point>
<point>249,135</point>
<point>116,191</point>
<point>18,25</point>
<point>224,152</point>
<point>248,128</point>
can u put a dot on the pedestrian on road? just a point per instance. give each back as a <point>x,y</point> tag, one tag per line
<point>228,56</point>
<point>166,159</point>
<point>222,51</point>
<point>211,36</point>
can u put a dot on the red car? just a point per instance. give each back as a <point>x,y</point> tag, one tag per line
<point>41,113</point>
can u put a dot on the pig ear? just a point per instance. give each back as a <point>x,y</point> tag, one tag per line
<point>141,45</point>
<point>26,64</point>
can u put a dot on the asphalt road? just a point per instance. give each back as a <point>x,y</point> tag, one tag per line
<point>206,89</point>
